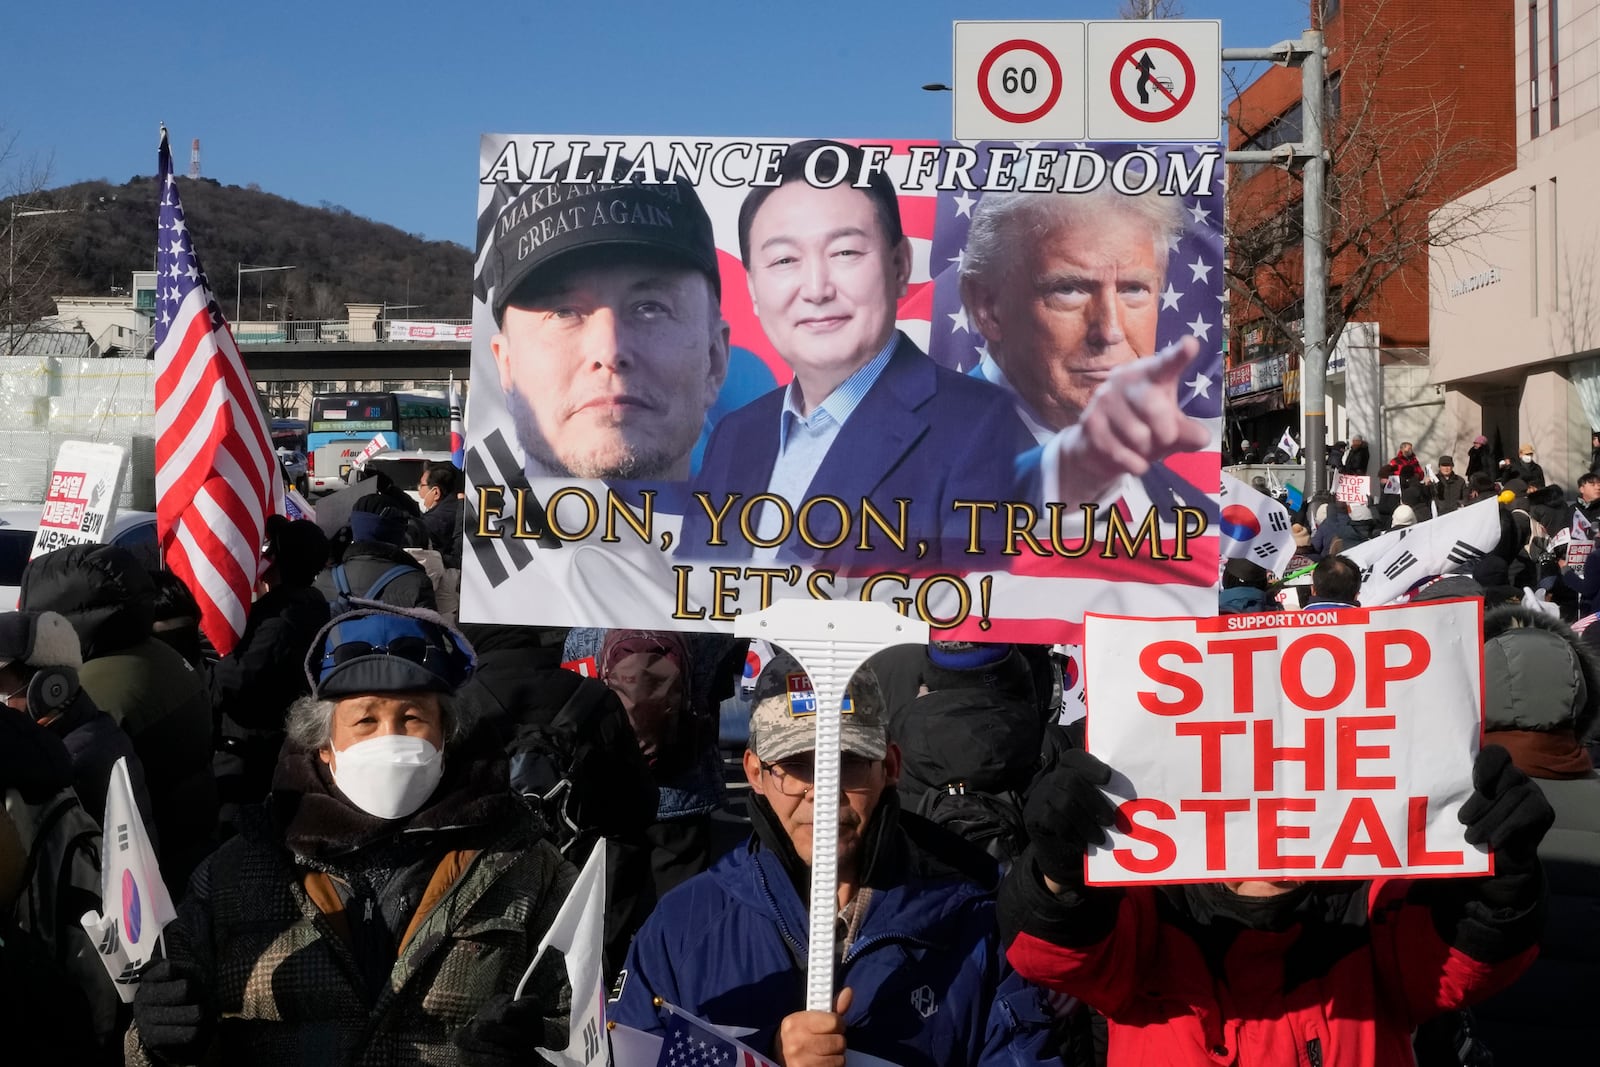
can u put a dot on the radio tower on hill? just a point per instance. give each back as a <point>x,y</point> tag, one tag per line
<point>194,159</point>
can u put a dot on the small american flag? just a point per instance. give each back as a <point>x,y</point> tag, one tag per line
<point>691,1042</point>
<point>216,474</point>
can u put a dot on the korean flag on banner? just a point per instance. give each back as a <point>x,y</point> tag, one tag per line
<point>1254,527</point>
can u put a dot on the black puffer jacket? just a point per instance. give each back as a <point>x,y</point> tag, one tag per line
<point>95,742</point>
<point>443,524</point>
<point>905,671</point>
<point>253,686</point>
<point>1542,698</point>
<point>154,693</point>
<point>44,897</point>
<point>519,695</point>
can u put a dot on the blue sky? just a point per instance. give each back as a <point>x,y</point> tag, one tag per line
<point>378,106</point>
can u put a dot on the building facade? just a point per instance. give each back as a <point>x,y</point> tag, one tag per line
<point>1515,315</point>
<point>1406,131</point>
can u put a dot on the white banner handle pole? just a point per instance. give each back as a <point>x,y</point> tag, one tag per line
<point>830,639</point>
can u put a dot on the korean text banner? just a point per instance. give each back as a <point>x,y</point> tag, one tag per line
<point>1316,744</point>
<point>981,383</point>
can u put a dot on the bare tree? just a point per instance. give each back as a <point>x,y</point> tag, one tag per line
<point>1152,9</point>
<point>324,302</point>
<point>284,398</point>
<point>30,233</point>
<point>1397,150</point>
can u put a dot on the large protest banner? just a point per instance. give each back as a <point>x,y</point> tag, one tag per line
<point>709,373</point>
<point>1296,745</point>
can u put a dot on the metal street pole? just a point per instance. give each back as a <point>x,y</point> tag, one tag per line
<point>1306,53</point>
<point>1314,363</point>
<point>238,283</point>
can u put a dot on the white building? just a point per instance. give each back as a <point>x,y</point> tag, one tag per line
<point>1515,311</point>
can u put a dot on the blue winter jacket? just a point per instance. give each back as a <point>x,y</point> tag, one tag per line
<point>928,972</point>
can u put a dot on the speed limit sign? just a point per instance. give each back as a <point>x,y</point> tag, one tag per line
<point>1019,80</point>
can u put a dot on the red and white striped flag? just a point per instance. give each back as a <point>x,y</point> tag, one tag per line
<point>216,473</point>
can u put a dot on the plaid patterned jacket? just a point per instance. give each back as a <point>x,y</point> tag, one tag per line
<point>288,988</point>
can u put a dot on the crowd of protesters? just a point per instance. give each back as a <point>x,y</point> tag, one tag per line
<point>368,818</point>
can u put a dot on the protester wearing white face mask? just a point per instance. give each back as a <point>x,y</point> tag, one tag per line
<point>346,922</point>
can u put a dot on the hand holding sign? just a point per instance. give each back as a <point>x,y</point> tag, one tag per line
<point>1321,744</point>
<point>1507,811</point>
<point>814,1038</point>
<point>1067,814</point>
<point>1132,421</point>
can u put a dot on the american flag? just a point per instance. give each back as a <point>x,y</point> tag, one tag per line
<point>690,1042</point>
<point>216,474</point>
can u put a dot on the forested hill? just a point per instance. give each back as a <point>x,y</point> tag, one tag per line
<point>338,256</point>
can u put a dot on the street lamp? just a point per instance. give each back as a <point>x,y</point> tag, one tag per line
<point>238,283</point>
<point>11,268</point>
<point>936,87</point>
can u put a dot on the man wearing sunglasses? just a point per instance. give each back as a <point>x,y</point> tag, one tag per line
<point>919,968</point>
<point>385,903</point>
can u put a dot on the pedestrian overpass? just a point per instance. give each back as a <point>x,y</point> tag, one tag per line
<point>335,361</point>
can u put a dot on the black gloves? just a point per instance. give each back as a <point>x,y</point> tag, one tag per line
<point>505,1032</point>
<point>1066,813</point>
<point>174,1015</point>
<point>1507,811</point>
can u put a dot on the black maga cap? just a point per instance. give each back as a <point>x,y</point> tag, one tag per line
<point>548,220</point>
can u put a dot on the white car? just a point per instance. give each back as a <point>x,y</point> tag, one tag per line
<point>133,530</point>
<point>403,468</point>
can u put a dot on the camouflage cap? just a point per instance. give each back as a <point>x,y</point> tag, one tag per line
<point>783,723</point>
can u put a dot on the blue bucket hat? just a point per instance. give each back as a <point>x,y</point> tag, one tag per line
<point>380,649</point>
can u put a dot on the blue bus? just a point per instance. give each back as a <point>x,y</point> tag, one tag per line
<point>342,424</point>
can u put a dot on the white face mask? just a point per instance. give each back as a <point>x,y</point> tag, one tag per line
<point>389,776</point>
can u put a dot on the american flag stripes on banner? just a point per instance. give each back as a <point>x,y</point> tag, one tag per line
<point>216,473</point>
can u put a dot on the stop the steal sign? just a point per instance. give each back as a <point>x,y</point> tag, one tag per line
<point>1297,745</point>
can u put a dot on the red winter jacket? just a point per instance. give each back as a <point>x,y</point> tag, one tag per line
<point>1357,968</point>
<point>1402,464</point>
